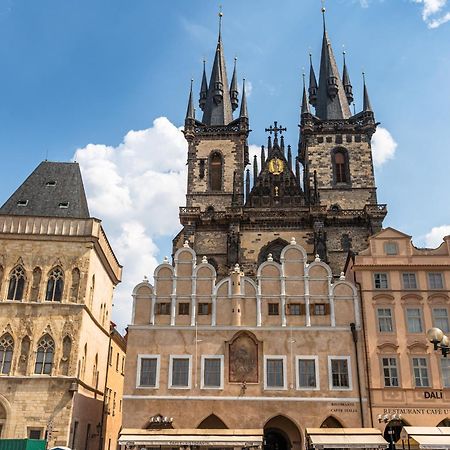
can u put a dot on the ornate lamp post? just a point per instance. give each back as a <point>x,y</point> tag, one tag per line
<point>439,340</point>
<point>390,420</point>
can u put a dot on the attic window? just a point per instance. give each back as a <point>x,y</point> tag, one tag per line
<point>64,205</point>
<point>22,203</point>
<point>51,183</point>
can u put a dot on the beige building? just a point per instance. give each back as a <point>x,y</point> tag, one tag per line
<point>112,410</point>
<point>405,291</point>
<point>275,354</point>
<point>57,276</point>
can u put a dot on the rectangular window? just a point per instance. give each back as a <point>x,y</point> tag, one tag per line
<point>212,372</point>
<point>380,280</point>
<point>307,372</point>
<point>384,320</point>
<point>435,280</point>
<point>35,433</point>
<point>148,374</point>
<point>339,372</point>
<point>391,248</point>
<point>295,309</point>
<point>319,309</point>
<point>163,309</point>
<point>275,374</point>
<point>445,372</point>
<point>179,372</point>
<point>273,309</point>
<point>440,319</point>
<point>183,309</point>
<point>390,372</point>
<point>409,281</point>
<point>204,309</point>
<point>420,369</point>
<point>414,319</point>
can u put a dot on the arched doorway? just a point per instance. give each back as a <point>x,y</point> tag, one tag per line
<point>444,423</point>
<point>331,422</point>
<point>280,433</point>
<point>212,422</point>
<point>2,420</point>
<point>393,430</point>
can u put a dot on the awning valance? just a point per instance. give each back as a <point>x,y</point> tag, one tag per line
<point>192,437</point>
<point>357,438</point>
<point>436,438</point>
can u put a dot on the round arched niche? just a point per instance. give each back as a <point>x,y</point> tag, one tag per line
<point>281,433</point>
<point>274,248</point>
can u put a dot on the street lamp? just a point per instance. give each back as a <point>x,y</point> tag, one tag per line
<point>439,340</point>
<point>389,420</point>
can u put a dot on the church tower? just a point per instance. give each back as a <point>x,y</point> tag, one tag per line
<point>217,156</point>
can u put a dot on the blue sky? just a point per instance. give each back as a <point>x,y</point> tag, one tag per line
<point>80,72</point>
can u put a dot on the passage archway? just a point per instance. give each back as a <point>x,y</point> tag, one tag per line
<point>331,422</point>
<point>393,430</point>
<point>2,420</point>
<point>444,423</point>
<point>280,433</point>
<point>212,422</point>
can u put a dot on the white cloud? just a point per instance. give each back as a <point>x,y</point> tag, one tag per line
<point>136,189</point>
<point>434,12</point>
<point>383,146</point>
<point>434,238</point>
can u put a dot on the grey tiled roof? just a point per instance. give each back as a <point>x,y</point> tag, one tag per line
<point>53,189</point>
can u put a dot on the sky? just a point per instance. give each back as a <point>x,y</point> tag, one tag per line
<point>105,83</point>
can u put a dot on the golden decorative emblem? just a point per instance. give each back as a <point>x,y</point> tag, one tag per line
<point>276,166</point>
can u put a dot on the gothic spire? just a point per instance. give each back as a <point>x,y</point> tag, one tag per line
<point>190,113</point>
<point>218,109</point>
<point>243,112</point>
<point>331,99</point>
<point>347,83</point>
<point>312,83</point>
<point>203,89</point>
<point>305,106</point>
<point>234,93</point>
<point>367,107</point>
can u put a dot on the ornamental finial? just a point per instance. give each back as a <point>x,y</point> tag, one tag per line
<point>186,244</point>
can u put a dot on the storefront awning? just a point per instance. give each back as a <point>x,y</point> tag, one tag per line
<point>358,438</point>
<point>436,438</point>
<point>192,437</point>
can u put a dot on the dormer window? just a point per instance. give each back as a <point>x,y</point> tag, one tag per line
<point>22,203</point>
<point>51,183</point>
<point>64,205</point>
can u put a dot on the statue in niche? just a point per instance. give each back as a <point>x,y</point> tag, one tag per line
<point>243,359</point>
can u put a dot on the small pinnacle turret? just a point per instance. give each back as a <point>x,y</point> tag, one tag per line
<point>313,87</point>
<point>305,106</point>
<point>234,92</point>
<point>243,112</point>
<point>203,89</point>
<point>190,113</point>
<point>347,83</point>
<point>367,107</point>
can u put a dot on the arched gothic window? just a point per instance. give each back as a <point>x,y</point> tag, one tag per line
<point>6,353</point>
<point>75,285</point>
<point>44,355</point>
<point>16,283</point>
<point>215,171</point>
<point>55,285</point>
<point>273,248</point>
<point>340,166</point>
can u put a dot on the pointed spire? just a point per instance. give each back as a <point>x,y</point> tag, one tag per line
<point>247,183</point>
<point>312,83</point>
<point>234,93</point>
<point>282,143</point>
<point>297,170</point>
<point>367,107</point>
<point>347,83</point>
<point>263,157</point>
<point>244,112</point>
<point>331,99</point>
<point>190,113</point>
<point>218,109</point>
<point>289,157</point>
<point>305,106</point>
<point>255,169</point>
<point>204,88</point>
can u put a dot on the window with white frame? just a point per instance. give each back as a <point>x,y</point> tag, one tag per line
<point>440,319</point>
<point>148,371</point>
<point>409,280</point>
<point>385,320</point>
<point>390,371</point>
<point>380,280</point>
<point>445,372</point>
<point>435,280</point>
<point>274,372</point>
<point>180,372</point>
<point>212,372</point>
<point>307,372</point>
<point>414,320</point>
<point>420,371</point>
<point>339,372</point>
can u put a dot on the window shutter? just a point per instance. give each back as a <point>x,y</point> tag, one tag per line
<point>287,309</point>
<point>209,308</point>
<point>302,309</point>
<point>327,309</point>
<point>311,309</point>
<point>158,308</point>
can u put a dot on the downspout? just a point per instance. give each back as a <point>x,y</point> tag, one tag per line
<point>355,341</point>
<point>102,422</point>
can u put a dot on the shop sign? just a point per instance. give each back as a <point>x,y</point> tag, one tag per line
<point>433,394</point>
<point>417,411</point>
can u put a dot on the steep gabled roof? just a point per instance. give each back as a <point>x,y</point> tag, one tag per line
<point>53,189</point>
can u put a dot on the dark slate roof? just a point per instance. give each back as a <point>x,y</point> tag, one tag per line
<point>53,189</point>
